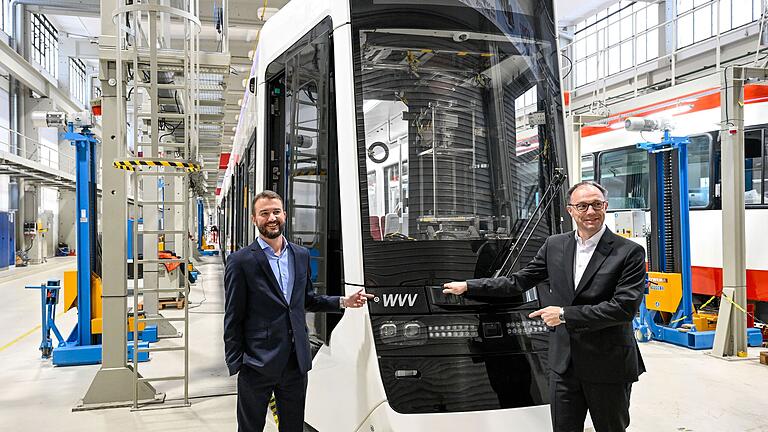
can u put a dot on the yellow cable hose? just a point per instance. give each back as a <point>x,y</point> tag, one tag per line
<point>731,301</point>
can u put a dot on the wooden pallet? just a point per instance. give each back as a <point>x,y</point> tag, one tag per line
<point>171,302</point>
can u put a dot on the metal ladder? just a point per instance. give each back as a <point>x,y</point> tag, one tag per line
<point>183,260</point>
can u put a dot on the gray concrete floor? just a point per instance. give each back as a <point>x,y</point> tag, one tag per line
<point>684,390</point>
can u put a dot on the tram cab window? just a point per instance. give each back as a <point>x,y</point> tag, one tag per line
<point>587,167</point>
<point>698,170</point>
<point>624,174</point>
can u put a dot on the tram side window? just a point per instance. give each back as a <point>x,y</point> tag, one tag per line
<point>396,188</point>
<point>588,167</point>
<point>753,167</point>
<point>698,170</point>
<point>624,174</point>
<point>755,147</point>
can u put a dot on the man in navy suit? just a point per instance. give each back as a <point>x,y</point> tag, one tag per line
<point>267,289</point>
<point>596,283</point>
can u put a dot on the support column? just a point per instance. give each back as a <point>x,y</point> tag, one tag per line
<point>731,332</point>
<point>668,33</point>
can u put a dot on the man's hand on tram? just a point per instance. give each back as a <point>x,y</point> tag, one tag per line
<point>550,315</point>
<point>357,299</point>
<point>456,288</point>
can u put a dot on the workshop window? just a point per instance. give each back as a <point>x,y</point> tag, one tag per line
<point>701,24</point>
<point>615,39</point>
<point>77,80</point>
<point>5,22</point>
<point>45,44</point>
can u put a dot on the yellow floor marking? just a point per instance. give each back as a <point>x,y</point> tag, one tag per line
<point>25,334</point>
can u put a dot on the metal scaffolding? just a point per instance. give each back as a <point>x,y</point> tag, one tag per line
<point>150,71</point>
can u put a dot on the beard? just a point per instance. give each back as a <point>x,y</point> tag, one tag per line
<point>271,233</point>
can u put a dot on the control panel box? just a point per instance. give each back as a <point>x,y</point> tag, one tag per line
<point>630,223</point>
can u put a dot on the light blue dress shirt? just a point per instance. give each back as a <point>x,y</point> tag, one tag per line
<point>282,266</point>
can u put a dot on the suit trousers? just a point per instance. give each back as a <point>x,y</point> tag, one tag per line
<point>255,389</point>
<point>571,397</point>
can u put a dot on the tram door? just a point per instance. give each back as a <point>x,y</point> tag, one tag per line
<point>302,161</point>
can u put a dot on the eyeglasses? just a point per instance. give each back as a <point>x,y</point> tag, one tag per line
<point>582,207</point>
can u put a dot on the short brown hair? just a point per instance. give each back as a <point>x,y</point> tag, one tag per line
<point>587,183</point>
<point>265,194</point>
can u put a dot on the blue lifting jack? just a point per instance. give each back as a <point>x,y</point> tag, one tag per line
<point>667,312</point>
<point>83,345</point>
<point>49,298</point>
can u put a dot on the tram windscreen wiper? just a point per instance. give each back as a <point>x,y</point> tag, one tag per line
<point>541,209</point>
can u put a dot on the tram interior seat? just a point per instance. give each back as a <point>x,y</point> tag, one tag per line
<point>375,227</point>
<point>391,224</point>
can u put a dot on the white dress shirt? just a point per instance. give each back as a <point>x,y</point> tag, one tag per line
<point>584,251</point>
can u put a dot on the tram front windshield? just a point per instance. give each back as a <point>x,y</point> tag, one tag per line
<point>461,113</point>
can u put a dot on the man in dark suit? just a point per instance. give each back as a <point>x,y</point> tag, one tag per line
<point>596,281</point>
<point>267,288</point>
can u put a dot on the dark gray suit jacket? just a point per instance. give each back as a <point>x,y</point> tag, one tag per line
<point>597,340</point>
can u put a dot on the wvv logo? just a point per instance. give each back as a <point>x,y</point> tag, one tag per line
<point>391,300</point>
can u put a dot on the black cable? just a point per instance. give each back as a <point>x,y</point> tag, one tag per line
<point>358,285</point>
<point>202,288</point>
<point>176,99</point>
<point>570,66</point>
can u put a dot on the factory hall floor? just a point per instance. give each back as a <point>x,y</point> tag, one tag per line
<point>684,390</point>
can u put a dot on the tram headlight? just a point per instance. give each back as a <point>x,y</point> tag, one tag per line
<point>412,330</point>
<point>388,330</point>
<point>403,333</point>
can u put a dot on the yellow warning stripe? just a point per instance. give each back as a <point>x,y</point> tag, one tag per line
<point>129,165</point>
<point>273,408</point>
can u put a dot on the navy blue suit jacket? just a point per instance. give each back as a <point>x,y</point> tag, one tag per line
<point>260,327</point>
